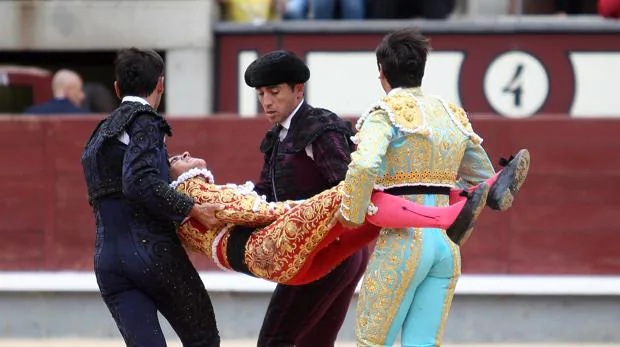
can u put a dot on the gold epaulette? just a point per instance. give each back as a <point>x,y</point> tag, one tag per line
<point>405,112</point>
<point>462,121</point>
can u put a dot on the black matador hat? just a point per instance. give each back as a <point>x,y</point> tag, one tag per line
<point>276,67</point>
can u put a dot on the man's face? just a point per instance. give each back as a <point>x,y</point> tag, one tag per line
<point>384,83</point>
<point>159,91</point>
<point>181,163</point>
<point>280,100</point>
<point>74,92</point>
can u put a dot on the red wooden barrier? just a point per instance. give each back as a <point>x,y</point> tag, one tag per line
<point>565,220</point>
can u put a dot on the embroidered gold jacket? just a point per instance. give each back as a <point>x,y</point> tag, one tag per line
<point>411,139</point>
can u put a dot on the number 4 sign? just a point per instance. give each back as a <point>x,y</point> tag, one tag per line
<point>516,84</point>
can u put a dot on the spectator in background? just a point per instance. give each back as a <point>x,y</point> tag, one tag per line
<point>260,11</point>
<point>98,98</point>
<point>68,95</point>
<point>569,6</point>
<point>348,9</point>
<point>295,9</point>
<point>251,11</point>
<point>405,9</point>
<point>609,8</point>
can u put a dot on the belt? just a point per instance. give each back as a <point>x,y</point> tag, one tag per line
<point>412,190</point>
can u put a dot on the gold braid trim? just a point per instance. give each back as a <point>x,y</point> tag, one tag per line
<point>279,251</point>
<point>462,121</point>
<point>242,206</point>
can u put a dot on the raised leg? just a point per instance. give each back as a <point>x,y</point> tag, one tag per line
<point>505,184</point>
<point>509,181</point>
<point>463,226</point>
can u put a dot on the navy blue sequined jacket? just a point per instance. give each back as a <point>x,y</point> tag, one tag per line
<point>132,179</point>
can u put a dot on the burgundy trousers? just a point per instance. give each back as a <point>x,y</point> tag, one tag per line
<point>311,315</point>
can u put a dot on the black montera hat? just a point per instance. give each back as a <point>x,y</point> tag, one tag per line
<point>276,67</point>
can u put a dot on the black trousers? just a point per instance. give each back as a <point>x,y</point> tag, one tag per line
<point>137,279</point>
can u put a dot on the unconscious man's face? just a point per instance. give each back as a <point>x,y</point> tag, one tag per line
<point>183,162</point>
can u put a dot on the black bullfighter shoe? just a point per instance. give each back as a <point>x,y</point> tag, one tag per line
<point>463,225</point>
<point>509,180</point>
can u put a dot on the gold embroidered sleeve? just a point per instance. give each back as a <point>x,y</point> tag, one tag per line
<point>242,206</point>
<point>475,167</point>
<point>374,138</point>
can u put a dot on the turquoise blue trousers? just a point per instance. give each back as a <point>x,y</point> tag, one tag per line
<point>408,286</point>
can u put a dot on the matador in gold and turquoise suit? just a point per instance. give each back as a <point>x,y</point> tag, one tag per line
<point>417,146</point>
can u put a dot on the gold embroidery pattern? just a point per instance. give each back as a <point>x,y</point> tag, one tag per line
<point>264,254</point>
<point>197,237</point>
<point>406,113</point>
<point>426,160</point>
<point>385,283</point>
<point>279,251</point>
<point>353,208</point>
<point>456,273</point>
<point>387,278</point>
<point>417,177</point>
<point>241,206</point>
<point>461,116</point>
<point>366,165</point>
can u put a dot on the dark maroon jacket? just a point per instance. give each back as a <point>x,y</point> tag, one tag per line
<point>288,173</point>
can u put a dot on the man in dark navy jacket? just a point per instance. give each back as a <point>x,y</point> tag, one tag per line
<point>140,264</point>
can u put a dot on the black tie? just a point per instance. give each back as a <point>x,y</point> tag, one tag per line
<point>272,163</point>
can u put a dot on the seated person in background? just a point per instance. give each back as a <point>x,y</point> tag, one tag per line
<point>68,96</point>
<point>609,8</point>
<point>348,9</point>
<point>98,98</point>
<point>297,242</point>
<point>569,7</point>
<point>406,9</point>
<point>250,11</point>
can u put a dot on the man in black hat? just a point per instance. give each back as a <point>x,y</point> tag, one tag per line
<point>307,151</point>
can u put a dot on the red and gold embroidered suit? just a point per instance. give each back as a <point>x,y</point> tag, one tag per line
<point>295,242</point>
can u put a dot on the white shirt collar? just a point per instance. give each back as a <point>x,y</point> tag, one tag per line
<point>135,99</point>
<point>394,91</point>
<point>287,122</point>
